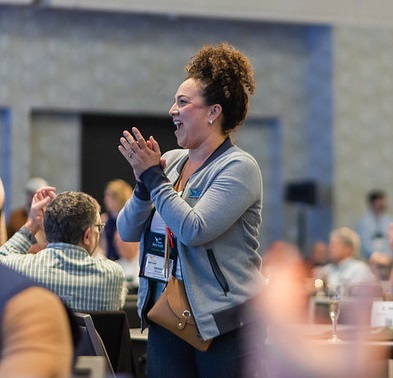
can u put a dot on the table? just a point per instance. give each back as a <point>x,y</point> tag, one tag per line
<point>318,309</point>
<point>303,344</point>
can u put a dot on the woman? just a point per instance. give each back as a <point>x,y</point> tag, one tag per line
<point>209,196</point>
<point>116,194</point>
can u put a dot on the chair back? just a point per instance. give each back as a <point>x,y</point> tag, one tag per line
<point>131,310</point>
<point>90,343</point>
<point>90,367</point>
<point>113,327</point>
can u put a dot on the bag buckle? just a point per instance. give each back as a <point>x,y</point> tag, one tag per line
<point>186,314</point>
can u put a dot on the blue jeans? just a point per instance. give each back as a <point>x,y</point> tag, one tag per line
<point>228,356</point>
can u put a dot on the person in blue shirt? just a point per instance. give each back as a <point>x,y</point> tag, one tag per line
<point>373,225</point>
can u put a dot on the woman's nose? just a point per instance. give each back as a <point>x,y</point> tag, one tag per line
<point>173,111</point>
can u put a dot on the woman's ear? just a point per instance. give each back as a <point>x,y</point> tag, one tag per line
<point>215,111</point>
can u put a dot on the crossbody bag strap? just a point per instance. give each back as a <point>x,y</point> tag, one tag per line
<point>170,247</point>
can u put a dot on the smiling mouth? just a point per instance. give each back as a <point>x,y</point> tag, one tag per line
<point>177,124</point>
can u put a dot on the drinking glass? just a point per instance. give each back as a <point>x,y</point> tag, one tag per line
<point>334,294</point>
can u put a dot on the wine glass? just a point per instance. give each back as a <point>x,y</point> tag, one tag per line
<point>334,294</point>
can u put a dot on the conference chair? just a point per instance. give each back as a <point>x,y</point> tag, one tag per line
<point>114,330</point>
<point>90,344</point>
<point>131,310</point>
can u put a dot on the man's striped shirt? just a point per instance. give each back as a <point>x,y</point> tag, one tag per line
<point>83,282</point>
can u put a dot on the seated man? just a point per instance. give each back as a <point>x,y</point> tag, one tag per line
<point>36,336</point>
<point>71,221</point>
<point>345,268</point>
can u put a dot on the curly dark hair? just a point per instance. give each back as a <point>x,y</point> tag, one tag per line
<point>68,216</point>
<point>227,77</point>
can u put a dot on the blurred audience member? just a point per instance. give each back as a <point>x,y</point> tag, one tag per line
<point>129,261</point>
<point>116,194</point>
<point>18,217</point>
<point>3,230</point>
<point>390,239</point>
<point>381,265</point>
<point>319,254</point>
<point>373,225</point>
<point>345,268</point>
<point>36,338</point>
<point>72,226</point>
<point>319,257</point>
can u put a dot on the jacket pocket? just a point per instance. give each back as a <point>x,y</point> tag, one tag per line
<point>217,271</point>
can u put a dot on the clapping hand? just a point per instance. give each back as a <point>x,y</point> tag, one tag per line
<point>41,199</point>
<point>141,154</point>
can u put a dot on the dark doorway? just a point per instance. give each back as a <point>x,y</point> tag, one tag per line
<point>102,161</point>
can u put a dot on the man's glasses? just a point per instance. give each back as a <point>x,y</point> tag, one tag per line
<point>100,227</point>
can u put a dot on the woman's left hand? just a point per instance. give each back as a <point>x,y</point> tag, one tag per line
<point>141,154</point>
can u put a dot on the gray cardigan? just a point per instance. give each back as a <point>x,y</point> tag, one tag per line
<point>216,222</point>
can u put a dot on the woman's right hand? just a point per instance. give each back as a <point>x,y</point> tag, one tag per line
<point>141,154</point>
<point>153,144</point>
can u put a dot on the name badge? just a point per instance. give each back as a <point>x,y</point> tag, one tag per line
<point>153,258</point>
<point>153,267</point>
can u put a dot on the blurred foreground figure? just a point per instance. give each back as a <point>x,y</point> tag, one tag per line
<point>293,349</point>
<point>36,340</point>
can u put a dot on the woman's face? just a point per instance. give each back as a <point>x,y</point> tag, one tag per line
<point>109,201</point>
<point>190,115</point>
